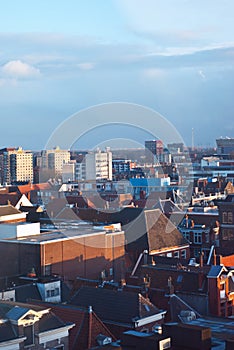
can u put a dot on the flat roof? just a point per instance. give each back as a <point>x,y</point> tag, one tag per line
<point>60,235</point>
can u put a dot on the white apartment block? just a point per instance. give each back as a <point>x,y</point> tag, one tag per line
<point>21,165</point>
<point>98,165</point>
<point>55,159</point>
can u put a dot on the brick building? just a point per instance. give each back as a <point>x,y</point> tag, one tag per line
<point>78,251</point>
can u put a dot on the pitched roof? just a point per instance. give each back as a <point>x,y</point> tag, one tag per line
<point>8,210</point>
<point>87,325</point>
<point>14,311</point>
<point>215,271</point>
<point>177,305</point>
<point>167,206</point>
<point>34,187</point>
<point>115,306</point>
<point>161,232</point>
<point>9,198</point>
<point>26,292</point>
<point>7,332</point>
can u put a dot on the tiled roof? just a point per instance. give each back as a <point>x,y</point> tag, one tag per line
<point>87,325</point>
<point>177,305</point>
<point>34,187</point>
<point>50,321</point>
<point>114,306</point>
<point>26,292</point>
<point>167,206</point>
<point>7,332</point>
<point>215,271</point>
<point>161,232</point>
<point>9,198</point>
<point>17,312</point>
<point>8,210</point>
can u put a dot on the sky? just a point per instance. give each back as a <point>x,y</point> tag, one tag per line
<point>60,57</point>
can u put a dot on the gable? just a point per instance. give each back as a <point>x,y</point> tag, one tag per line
<point>161,232</point>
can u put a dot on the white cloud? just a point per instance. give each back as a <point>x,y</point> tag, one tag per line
<point>20,70</point>
<point>86,66</point>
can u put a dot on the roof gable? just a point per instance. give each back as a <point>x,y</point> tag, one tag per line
<point>216,271</point>
<point>161,232</point>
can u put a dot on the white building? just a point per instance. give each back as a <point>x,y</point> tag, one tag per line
<point>21,165</point>
<point>98,165</point>
<point>55,159</point>
<point>68,172</point>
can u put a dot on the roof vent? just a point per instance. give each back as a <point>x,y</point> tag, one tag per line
<point>103,340</point>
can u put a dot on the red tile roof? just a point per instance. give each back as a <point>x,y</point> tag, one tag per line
<point>12,198</point>
<point>24,189</point>
<point>87,325</point>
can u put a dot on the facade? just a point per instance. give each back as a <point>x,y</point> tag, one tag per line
<point>98,165</point>
<point>55,159</point>
<point>200,237</point>
<point>221,291</point>
<point>226,217</point>
<point>82,251</point>
<point>80,171</point>
<point>68,172</point>
<point>121,166</point>
<point>21,166</point>
<point>16,165</point>
<point>155,147</point>
<point>225,145</point>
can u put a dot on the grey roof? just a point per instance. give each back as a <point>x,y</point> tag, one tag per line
<point>26,292</point>
<point>215,271</point>
<point>8,210</point>
<point>115,306</point>
<point>16,313</point>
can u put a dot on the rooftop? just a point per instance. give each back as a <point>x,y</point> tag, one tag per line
<point>69,231</point>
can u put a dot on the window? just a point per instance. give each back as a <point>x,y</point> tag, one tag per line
<point>48,270</point>
<point>176,254</point>
<point>224,217</point>
<point>186,235</point>
<point>197,237</point>
<point>230,217</point>
<point>183,254</point>
<point>52,292</point>
<point>227,234</point>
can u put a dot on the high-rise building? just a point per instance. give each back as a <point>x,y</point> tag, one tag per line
<point>98,165</point>
<point>55,159</point>
<point>16,165</point>
<point>155,147</point>
<point>225,145</point>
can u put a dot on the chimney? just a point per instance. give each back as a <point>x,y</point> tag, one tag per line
<point>170,285</point>
<point>215,262</point>
<point>201,259</point>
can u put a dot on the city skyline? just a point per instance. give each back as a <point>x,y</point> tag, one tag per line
<point>59,58</point>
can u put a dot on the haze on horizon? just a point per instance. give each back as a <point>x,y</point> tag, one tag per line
<point>58,57</point>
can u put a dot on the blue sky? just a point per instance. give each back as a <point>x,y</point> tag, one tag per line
<point>58,57</point>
